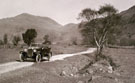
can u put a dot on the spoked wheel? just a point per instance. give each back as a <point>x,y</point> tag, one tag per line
<point>38,58</point>
<point>22,57</point>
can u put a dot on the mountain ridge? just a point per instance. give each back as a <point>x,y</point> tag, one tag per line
<point>44,26</point>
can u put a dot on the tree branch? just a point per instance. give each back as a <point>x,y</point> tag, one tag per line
<point>96,40</point>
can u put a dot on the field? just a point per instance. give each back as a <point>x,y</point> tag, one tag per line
<point>124,58</point>
<point>77,69</point>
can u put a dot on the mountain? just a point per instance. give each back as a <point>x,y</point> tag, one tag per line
<point>128,25</point>
<point>20,23</point>
<point>71,34</point>
<point>128,13</point>
<point>44,25</point>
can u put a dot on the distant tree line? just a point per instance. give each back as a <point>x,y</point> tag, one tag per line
<point>4,41</point>
<point>16,39</point>
<point>28,37</point>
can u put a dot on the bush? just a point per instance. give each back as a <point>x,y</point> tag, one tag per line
<point>16,40</point>
<point>5,39</point>
<point>127,42</point>
<point>1,42</point>
<point>74,41</point>
<point>112,40</point>
<point>132,42</point>
<point>29,36</point>
<point>46,40</point>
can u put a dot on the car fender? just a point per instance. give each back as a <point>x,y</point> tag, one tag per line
<point>24,53</point>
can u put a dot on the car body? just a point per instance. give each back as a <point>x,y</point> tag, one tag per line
<point>36,51</point>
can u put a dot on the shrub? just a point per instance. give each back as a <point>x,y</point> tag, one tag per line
<point>5,39</point>
<point>29,36</point>
<point>127,42</point>
<point>16,40</point>
<point>46,39</point>
<point>1,42</point>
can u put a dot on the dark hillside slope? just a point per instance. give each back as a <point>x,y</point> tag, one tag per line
<point>18,24</point>
<point>128,25</point>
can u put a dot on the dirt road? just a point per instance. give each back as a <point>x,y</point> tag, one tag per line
<point>11,66</point>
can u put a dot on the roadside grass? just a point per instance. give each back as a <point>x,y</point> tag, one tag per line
<point>71,66</point>
<point>12,54</point>
<point>121,59</point>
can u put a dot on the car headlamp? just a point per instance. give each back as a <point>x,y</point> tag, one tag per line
<point>25,50</point>
<point>35,50</point>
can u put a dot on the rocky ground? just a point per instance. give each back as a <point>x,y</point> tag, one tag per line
<point>78,69</point>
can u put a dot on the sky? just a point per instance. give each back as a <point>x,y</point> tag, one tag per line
<point>62,11</point>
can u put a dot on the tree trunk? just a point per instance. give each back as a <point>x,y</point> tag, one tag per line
<point>99,52</point>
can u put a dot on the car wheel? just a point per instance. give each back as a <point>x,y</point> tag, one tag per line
<point>22,58</point>
<point>38,58</point>
<point>49,56</point>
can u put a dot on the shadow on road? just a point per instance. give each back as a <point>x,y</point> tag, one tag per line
<point>31,60</point>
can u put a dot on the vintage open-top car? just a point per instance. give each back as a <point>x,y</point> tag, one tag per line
<point>37,52</point>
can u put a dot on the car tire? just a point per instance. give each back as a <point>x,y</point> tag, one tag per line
<point>49,56</point>
<point>22,58</point>
<point>38,58</point>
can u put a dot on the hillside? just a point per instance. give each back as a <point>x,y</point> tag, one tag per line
<point>71,34</point>
<point>128,13</point>
<point>128,25</point>
<point>44,25</point>
<point>18,24</point>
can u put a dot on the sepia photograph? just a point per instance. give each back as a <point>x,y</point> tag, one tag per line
<point>67,41</point>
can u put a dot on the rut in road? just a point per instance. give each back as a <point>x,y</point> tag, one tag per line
<point>11,66</point>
